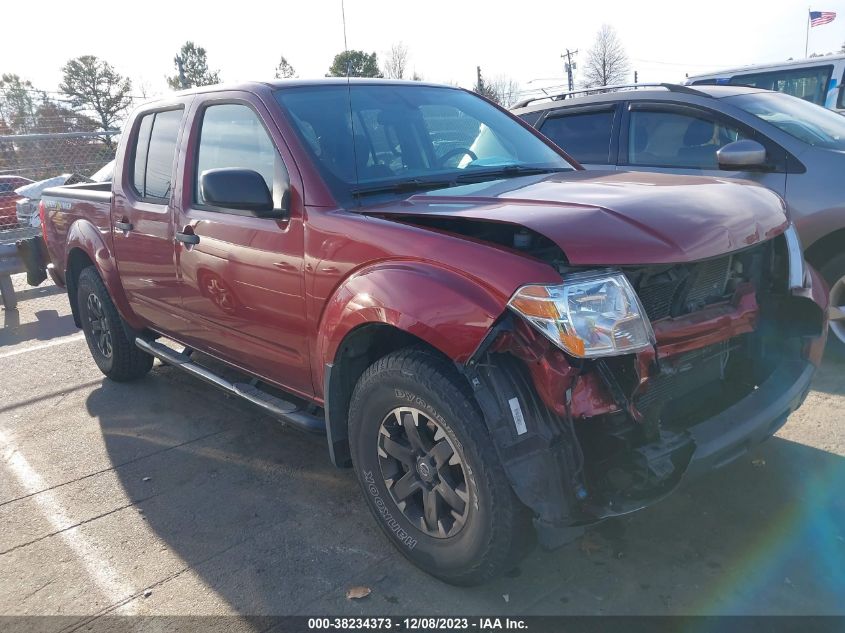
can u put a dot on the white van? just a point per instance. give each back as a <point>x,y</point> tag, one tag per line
<point>817,79</point>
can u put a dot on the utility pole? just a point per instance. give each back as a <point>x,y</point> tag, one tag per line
<point>570,66</point>
<point>635,77</point>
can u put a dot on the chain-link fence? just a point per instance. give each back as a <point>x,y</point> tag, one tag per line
<point>40,156</point>
<point>63,158</point>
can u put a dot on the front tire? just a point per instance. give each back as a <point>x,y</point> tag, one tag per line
<point>429,470</point>
<point>114,352</point>
<point>834,274</point>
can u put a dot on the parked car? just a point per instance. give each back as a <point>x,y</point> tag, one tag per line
<point>490,335</point>
<point>792,147</point>
<point>8,198</point>
<point>26,208</point>
<point>819,80</point>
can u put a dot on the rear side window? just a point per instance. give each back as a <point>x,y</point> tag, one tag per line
<point>585,136</point>
<point>809,84</point>
<point>232,135</point>
<point>155,150</point>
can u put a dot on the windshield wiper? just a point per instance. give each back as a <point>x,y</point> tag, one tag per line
<point>419,184</point>
<point>507,171</point>
<point>400,186</point>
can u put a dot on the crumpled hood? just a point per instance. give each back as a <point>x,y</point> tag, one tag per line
<point>615,218</point>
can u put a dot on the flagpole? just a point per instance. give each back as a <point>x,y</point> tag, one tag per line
<point>807,37</point>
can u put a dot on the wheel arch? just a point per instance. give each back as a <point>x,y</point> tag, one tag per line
<point>86,246</point>
<point>77,261</point>
<point>360,348</point>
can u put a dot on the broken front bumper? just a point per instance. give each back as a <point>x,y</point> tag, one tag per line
<point>730,434</point>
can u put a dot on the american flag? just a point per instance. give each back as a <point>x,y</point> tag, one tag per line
<point>817,18</point>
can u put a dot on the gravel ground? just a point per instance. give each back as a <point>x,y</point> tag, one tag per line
<point>167,497</point>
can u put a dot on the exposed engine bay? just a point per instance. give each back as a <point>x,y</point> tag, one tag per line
<point>617,428</point>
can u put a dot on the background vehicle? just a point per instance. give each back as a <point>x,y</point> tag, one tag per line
<point>487,334</point>
<point>819,80</point>
<point>792,147</point>
<point>8,198</point>
<point>26,209</point>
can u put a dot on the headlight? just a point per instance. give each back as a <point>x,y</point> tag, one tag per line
<point>589,315</point>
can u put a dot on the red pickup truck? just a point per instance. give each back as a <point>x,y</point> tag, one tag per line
<point>491,336</point>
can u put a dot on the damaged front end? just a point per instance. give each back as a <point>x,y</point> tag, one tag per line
<point>587,432</point>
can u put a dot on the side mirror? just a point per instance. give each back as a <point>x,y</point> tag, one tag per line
<point>742,155</point>
<point>240,189</point>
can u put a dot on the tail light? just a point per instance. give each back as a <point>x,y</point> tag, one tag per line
<point>42,215</point>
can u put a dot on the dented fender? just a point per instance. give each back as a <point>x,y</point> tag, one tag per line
<point>438,305</point>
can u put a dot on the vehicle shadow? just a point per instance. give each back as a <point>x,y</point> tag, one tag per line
<point>48,324</point>
<point>269,525</point>
<point>37,292</point>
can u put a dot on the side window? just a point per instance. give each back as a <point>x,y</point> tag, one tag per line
<point>809,84</point>
<point>585,136</point>
<point>232,135</point>
<point>840,99</point>
<point>671,139</point>
<point>140,160</point>
<point>155,148</point>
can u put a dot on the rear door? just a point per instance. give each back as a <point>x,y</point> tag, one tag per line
<point>683,139</point>
<point>589,133</point>
<point>142,217</point>
<point>242,283</point>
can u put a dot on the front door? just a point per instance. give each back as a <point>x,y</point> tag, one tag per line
<point>142,219</point>
<point>242,282</point>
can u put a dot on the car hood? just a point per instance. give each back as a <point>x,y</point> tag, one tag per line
<point>614,218</point>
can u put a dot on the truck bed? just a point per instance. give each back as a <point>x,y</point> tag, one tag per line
<point>85,204</point>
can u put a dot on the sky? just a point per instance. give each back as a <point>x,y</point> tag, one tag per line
<point>446,39</point>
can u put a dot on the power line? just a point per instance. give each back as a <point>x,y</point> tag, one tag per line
<point>652,61</point>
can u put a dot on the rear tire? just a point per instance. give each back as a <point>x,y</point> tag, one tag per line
<point>114,352</point>
<point>834,274</point>
<point>460,522</point>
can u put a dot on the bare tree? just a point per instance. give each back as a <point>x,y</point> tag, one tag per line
<point>484,87</point>
<point>284,70</point>
<point>397,61</point>
<point>505,89</point>
<point>607,62</point>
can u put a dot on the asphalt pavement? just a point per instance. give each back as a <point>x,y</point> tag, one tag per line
<point>165,496</point>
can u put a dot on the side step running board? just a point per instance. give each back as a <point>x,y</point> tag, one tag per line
<point>288,412</point>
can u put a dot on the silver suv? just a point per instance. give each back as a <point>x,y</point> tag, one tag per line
<point>791,146</point>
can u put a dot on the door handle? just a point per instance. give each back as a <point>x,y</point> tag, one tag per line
<point>124,226</point>
<point>188,238</point>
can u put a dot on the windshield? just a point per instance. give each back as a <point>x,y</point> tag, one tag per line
<point>409,135</point>
<point>805,121</point>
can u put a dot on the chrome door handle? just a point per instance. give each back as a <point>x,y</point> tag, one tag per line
<point>188,238</point>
